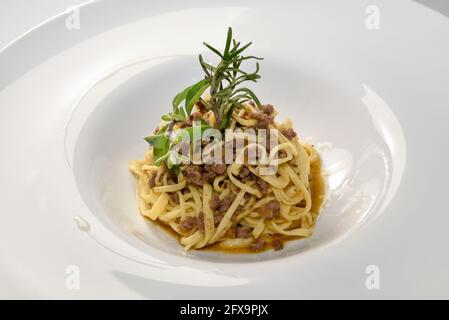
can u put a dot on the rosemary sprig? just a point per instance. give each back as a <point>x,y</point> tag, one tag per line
<point>225,78</point>
<point>223,81</point>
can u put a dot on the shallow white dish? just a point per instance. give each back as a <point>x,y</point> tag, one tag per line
<point>75,105</point>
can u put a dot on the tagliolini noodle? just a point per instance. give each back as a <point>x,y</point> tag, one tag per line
<point>289,186</point>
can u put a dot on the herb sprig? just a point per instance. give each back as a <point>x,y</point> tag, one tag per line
<point>225,79</point>
<point>224,82</point>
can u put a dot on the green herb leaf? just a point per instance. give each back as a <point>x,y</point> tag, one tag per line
<point>157,140</point>
<point>179,98</point>
<point>189,131</point>
<point>228,43</point>
<point>213,49</point>
<point>224,81</point>
<point>161,145</point>
<point>194,93</point>
<point>167,117</point>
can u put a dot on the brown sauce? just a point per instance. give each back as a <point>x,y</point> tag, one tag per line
<point>317,190</point>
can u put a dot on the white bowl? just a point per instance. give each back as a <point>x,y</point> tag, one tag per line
<point>359,138</point>
<point>76,103</point>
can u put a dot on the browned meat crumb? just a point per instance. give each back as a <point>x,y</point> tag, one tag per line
<point>218,218</point>
<point>263,120</point>
<point>226,203</point>
<point>152,179</point>
<point>214,202</point>
<point>200,222</point>
<point>209,176</point>
<point>171,180</point>
<point>249,178</point>
<point>238,210</point>
<point>194,174</point>
<point>211,171</point>
<point>195,116</point>
<point>201,107</point>
<point>244,172</point>
<point>277,244</point>
<point>267,109</point>
<point>263,186</point>
<point>219,169</point>
<point>257,245</point>
<point>174,198</point>
<point>188,223</point>
<point>271,210</point>
<point>221,206</point>
<point>289,133</point>
<point>243,231</point>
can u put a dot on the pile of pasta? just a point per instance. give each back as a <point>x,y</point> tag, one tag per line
<point>289,185</point>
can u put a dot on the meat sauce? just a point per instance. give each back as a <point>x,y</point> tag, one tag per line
<point>317,189</point>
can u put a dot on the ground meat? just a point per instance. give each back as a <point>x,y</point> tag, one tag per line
<point>200,222</point>
<point>152,179</point>
<point>174,198</point>
<point>263,120</point>
<point>219,169</point>
<point>252,103</point>
<point>218,218</point>
<point>237,211</point>
<point>289,133</point>
<point>214,202</point>
<point>194,174</point>
<point>226,203</point>
<point>211,171</point>
<point>191,222</point>
<point>188,223</point>
<point>195,116</point>
<point>201,107</point>
<point>267,109</point>
<point>263,186</point>
<point>244,172</point>
<point>257,245</point>
<point>243,231</point>
<point>172,179</point>
<point>247,175</point>
<point>275,207</point>
<point>271,210</point>
<point>209,177</point>
<point>277,245</point>
<point>221,206</point>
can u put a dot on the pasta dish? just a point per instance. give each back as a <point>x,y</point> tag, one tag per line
<point>221,172</point>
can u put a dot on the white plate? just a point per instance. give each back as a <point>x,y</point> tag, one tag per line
<point>75,105</point>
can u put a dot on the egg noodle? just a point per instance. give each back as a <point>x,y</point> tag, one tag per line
<point>289,185</point>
